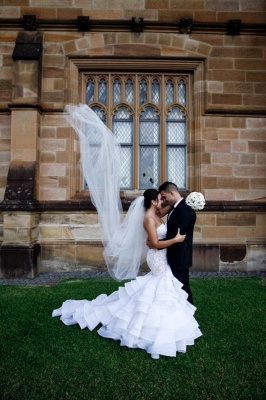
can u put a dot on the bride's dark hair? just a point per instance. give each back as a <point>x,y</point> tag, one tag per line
<point>149,195</point>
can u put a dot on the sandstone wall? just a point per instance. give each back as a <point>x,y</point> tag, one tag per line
<point>229,103</point>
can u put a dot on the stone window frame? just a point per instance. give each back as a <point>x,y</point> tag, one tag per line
<point>77,67</point>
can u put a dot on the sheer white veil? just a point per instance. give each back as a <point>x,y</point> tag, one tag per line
<point>123,239</point>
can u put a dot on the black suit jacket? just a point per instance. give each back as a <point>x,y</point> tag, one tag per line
<point>179,255</point>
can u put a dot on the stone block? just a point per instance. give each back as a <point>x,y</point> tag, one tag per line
<point>224,64</point>
<point>40,12</point>
<point>52,72</point>
<point>227,99</point>
<point>251,232</point>
<point>253,134</point>
<point>256,255</point>
<point>258,183</point>
<point>229,76</point>
<point>217,122</point>
<point>250,170</point>
<point>257,147</point>
<point>219,170</point>
<point>48,232</point>
<point>255,76</point>
<point>239,122</point>
<point>254,100</point>
<point>247,159</point>
<point>234,52</point>
<point>221,146</point>
<point>225,158</point>
<point>19,220</point>
<point>240,146</point>
<point>53,170</point>
<point>260,88</point>
<point>10,235</point>
<point>233,183</point>
<point>20,261</point>
<point>205,257</point>
<point>238,87</point>
<point>48,157</point>
<point>229,232</point>
<point>91,254</point>
<point>157,4</point>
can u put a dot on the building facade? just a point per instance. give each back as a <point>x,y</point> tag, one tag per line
<point>181,83</point>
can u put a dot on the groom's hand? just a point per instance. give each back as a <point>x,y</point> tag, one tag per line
<point>148,243</point>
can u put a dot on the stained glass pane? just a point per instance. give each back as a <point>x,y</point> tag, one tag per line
<point>94,138</point>
<point>176,166</point>
<point>102,91</point>
<point>149,167</point>
<point>126,160</point>
<point>155,92</point>
<point>149,132</point>
<point>129,91</point>
<point>123,125</point>
<point>116,91</point>
<point>176,114</point>
<point>99,111</point>
<point>149,127</point>
<point>90,91</point>
<point>175,133</point>
<point>123,131</point>
<point>182,92</point>
<point>143,92</point>
<point>175,127</point>
<point>169,92</point>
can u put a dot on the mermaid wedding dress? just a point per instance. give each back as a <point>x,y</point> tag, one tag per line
<point>150,312</point>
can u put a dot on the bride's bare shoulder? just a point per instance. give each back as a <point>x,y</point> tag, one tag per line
<point>152,220</point>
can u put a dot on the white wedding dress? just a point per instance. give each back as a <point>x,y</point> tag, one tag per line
<point>150,312</point>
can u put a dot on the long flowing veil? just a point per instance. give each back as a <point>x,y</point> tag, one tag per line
<point>123,239</point>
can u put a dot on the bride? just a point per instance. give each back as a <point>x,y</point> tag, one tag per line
<point>149,312</point>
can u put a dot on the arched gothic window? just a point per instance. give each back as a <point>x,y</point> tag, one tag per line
<point>148,114</point>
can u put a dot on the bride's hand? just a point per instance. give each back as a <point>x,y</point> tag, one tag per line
<point>179,238</point>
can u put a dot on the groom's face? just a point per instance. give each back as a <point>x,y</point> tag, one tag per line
<point>167,197</point>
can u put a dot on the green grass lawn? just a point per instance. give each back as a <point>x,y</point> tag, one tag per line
<point>42,359</point>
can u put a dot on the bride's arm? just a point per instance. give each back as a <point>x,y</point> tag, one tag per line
<point>154,243</point>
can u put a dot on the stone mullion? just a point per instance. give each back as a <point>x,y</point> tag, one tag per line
<point>136,135</point>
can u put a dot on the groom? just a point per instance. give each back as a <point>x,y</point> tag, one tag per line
<point>181,216</point>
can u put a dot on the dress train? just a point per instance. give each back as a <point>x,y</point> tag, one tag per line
<point>150,312</point>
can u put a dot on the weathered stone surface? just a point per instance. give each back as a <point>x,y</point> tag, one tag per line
<point>205,257</point>
<point>20,261</point>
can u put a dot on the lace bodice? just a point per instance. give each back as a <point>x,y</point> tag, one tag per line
<point>161,231</point>
<point>156,259</point>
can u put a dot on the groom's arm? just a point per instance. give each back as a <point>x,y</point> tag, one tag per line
<point>184,220</point>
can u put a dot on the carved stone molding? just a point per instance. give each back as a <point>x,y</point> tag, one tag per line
<point>185,25</point>
<point>84,24</point>
<point>233,27</point>
<point>30,22</point>
<point>135,24</point>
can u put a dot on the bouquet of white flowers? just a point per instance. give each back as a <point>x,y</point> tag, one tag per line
<point>195,200</point>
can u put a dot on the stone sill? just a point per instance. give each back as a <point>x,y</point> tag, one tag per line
<point>83,203</point>
<point>98,243</point>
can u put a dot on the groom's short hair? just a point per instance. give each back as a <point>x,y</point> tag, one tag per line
<point>168,187</point>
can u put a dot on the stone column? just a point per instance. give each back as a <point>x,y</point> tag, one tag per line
<point>20,253</point>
